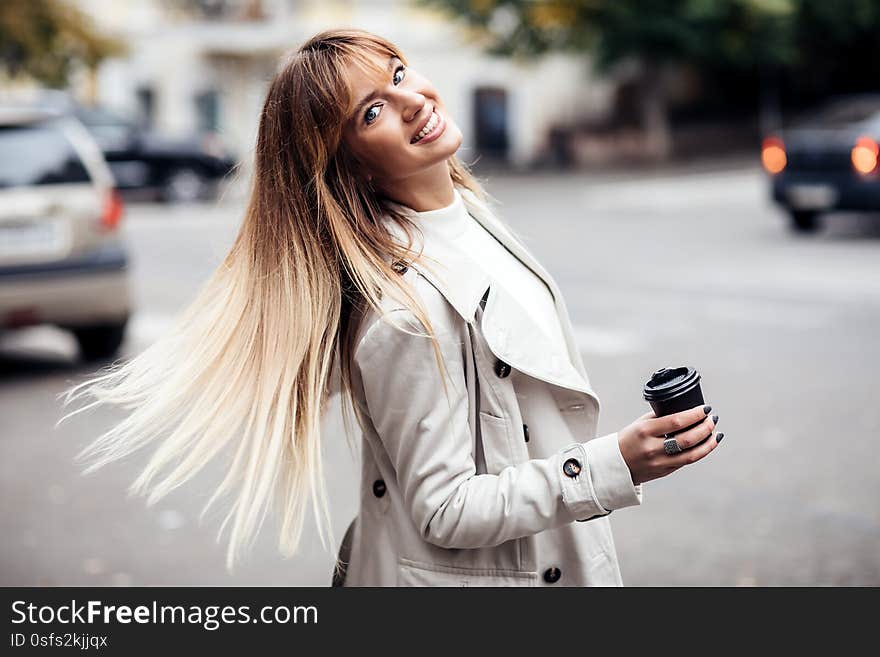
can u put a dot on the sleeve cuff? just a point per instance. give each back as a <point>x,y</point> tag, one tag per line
<point>610,475</point>
<point>578,492</point>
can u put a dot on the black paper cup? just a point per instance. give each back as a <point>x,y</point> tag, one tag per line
<point>672,390</point>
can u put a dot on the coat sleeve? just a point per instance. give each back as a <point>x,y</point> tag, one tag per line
<point>428,440</point>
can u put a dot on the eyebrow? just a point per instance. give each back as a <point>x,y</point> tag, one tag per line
<point>373,94</point>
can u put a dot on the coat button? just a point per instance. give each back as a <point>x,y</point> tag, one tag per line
<point>378,488</point>
<point>399,266</point>
<point>552,575</point>
<point>526,432</point>
<point>572,467</point>
<point>502,369</point>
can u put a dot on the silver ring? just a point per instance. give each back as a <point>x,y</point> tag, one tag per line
<point>671,446</point>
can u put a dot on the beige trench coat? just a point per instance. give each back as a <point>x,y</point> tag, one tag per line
<point>505,482</point>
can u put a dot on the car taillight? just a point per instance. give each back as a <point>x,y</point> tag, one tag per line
<point>864,155</point>
<point>773,155</point>
<point>113,210</point>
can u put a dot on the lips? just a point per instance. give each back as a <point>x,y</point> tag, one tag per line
<point>423,124</point>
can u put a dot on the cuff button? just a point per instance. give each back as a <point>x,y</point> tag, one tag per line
<point>572,467</point>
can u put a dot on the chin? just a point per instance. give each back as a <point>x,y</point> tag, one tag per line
<point>459,138</point>
<point>452,140</point>
<point>453,148</point>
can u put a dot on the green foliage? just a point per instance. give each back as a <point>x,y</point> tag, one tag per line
<point>811,44</point>
<point>45,39</point>
<point>737,32</point>
<point>839,47</point>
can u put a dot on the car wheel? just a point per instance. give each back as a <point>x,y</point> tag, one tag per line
<point>185,185</point>
<point>805,221</point>
<point>100,341</point>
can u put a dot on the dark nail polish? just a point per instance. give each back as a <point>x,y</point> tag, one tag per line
<point>714,419</point>
<point>707,409</point>
<point>718,437</point>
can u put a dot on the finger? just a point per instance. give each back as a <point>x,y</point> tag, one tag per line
<point>696,453</point>
<point>696,435</point>
<point>676,421</point>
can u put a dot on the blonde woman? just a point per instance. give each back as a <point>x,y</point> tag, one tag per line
<point>368,251</point>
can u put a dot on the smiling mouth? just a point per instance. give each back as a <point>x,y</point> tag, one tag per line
<point>430,127</point>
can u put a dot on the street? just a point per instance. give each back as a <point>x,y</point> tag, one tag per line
<point>662,269</point>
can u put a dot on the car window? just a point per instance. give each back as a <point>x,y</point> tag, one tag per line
<point>93,116</point>
<point>38,154</point>
<point>111,137</point>
<point>111,131</point>
<point>843,112</point>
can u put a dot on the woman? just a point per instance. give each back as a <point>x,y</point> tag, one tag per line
<point>368,250</point>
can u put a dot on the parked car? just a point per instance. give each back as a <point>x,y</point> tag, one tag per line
<point>180,169</point>
<point>62,260</point>
<point>827,161</point>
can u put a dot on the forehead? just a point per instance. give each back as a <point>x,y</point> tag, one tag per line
<point>366,71</point>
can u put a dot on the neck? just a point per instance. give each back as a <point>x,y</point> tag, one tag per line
<point>430,189</point>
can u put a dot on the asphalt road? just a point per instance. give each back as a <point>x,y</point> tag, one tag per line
<point>662,269</point>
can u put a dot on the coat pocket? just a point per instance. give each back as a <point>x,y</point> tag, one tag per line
<point>496,442</point>
<point>415,573</point>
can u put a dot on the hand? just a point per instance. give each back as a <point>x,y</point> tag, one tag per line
<point>641,443</point>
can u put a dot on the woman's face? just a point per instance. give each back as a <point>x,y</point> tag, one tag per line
<point>389,116</point>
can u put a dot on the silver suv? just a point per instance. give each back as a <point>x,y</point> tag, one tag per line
<point>62,261</point>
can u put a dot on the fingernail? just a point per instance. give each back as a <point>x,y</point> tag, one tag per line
<point>707,409</point>
<point>714,419</point>
<point>718,437</point>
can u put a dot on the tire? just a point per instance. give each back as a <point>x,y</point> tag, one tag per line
<point>185,185</point>
<point>804,221</point>
<point>100,341</point>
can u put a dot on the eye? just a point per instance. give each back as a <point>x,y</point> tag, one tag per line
<point>369,115</point>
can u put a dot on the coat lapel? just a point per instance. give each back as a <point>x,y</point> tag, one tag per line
<point>511,333</point>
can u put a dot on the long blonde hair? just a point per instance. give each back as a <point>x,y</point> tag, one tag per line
<point>249,361</point>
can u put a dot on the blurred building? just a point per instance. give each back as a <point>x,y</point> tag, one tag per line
<point>205,65</point>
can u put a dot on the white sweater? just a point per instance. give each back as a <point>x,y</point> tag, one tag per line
<point>505,269</point>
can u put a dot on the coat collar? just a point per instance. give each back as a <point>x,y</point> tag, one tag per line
<point>510,331</point>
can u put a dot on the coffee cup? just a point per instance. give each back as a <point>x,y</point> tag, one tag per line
<point>672,390</point>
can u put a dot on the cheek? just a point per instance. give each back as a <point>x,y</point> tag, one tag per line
<point>387,143</point>
<point>453,128</point>
<point>370,147</point>
<point>380,152</point>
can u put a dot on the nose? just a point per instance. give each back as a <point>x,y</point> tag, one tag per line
<point>412,104</point>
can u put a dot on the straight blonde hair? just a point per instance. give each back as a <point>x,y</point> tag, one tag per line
<point>247,365</point>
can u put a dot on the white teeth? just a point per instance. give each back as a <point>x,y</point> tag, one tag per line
<point>429,127</point>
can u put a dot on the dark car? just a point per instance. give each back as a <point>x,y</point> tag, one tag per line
<point>827,161</point>
<point>178,169</point>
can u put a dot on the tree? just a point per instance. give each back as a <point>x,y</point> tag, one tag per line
<point>46,39</point>
<point>838,49</point>
<point>654,34</point>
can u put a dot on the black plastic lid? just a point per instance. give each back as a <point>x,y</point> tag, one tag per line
<point>669,382</point>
